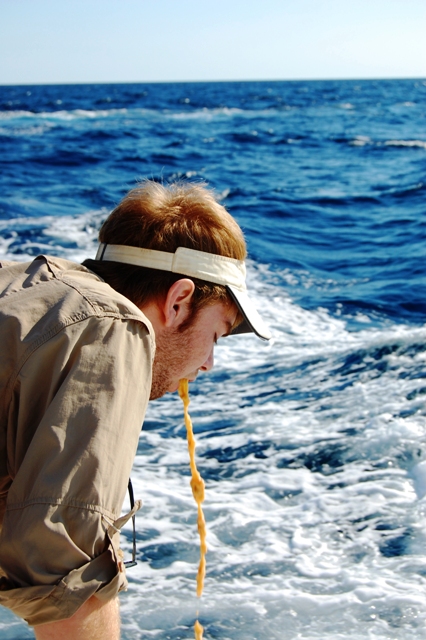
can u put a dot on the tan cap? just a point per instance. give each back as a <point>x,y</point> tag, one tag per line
<point>196,264</point>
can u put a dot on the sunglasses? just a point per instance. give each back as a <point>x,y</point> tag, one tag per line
<point>133,561</point>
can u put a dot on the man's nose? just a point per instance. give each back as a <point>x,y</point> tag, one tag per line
<point>209,362</point>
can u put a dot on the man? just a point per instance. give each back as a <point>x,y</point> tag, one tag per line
<point>84,347</point>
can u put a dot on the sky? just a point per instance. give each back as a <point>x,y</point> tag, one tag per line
<point>80,41</point>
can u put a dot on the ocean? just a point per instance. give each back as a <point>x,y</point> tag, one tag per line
<point>313,445</point>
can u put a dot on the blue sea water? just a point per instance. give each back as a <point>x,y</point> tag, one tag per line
<point>313,445</point>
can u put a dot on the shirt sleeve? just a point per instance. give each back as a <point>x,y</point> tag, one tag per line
<point>74,421</point>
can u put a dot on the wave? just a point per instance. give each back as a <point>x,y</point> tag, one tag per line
<point>154,114</point>
<point>31,130</point>
<point>306,459</point>
<point>360,141</point>
<point>71,237</point>
<point>73,114</point>
<point>421,144</point>
<point>363,141</point>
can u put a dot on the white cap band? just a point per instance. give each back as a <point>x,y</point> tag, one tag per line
<point>189,262</point>
<point>195,264</point>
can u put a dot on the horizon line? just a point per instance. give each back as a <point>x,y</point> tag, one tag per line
<point>125,82</point>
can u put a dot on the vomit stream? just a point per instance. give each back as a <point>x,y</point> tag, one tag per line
<point>198,628</point>
<point>197,486</point>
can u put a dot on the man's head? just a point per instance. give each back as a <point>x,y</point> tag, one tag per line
<point>179,256</point>
<point>163,218</point>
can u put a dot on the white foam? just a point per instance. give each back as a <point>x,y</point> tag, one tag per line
<point>279,536</point>
<point>61,114</point>
<point>361,141</point>
<point>421,144</point>
<point>71,237</point>
<point>418,473</point>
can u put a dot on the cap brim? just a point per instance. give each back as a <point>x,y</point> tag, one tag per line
<point>215,268</point>
<point>252,322</point>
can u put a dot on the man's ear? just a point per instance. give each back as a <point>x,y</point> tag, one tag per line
<point>177,304</point>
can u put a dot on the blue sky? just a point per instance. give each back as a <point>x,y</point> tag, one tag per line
<point>63,41</point>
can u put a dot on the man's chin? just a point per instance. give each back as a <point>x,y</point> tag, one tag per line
<point>158,391</point>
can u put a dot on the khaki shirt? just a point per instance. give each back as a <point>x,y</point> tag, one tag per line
<point>75,379</point>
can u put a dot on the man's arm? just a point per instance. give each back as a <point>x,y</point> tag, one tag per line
<point>95,620</point>
<point>59,543</point>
